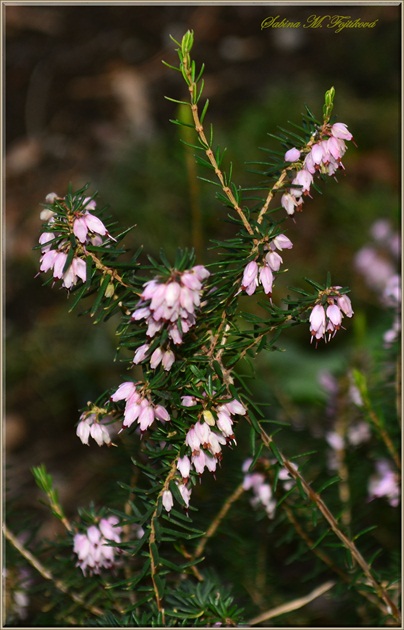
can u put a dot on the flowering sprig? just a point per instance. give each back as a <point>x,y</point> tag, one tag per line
<point>186,332</point>
<point>60,253</point>
<point>322,156</point>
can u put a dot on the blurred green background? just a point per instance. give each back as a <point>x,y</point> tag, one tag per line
<point>84,102</point>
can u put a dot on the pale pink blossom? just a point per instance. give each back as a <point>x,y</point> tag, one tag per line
<point>83,430</point>
<point>184,466</point>
<point>199,461</point>
<point>317,321</point>
<point>384,483</point>
<point>156,358</point>
<point>266,279</point>
<point>344,303</point>
<point>100,433</point>
<point>161,413</point>
<point>250,274</point>
<point>282,242</point>
<point>124,391</point>
<point>340,130</point>
<point>292,155</point>
<point>168,359</point>
<point>185,493</point>
<point>88,222</point>
<point>141,353</point>
<point>290,203</point>
<point>303,179</point>
<point>273,260</point>
<point>334,315</point>
<point>188,401</point>
<point>167,499</point>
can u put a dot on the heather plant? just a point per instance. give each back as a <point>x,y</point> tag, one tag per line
<point>185,330</point>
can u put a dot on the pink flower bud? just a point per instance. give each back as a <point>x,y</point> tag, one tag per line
<point>292,155</point>
<point>188,401</point>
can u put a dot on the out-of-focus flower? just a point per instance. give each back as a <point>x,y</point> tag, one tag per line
<point>384,483</point>
<point>92,548</point>
<point>261,489</point>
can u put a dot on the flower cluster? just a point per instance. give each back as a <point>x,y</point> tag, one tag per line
<point>262,491</point>
<point>170,305</point>
<point>255,274</point>
<point>204,443</point>
<point>92,548</point>
<point>327,319</point>
<point>324,157</point>
<point>138,406</point>
<point>86,227</point>
<point>378,264</point>
<point>90,426</point>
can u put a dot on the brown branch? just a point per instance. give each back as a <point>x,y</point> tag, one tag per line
<point>218,519</point>
<point>348,544</point>
<point>293,605</point>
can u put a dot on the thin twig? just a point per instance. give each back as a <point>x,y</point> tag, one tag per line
<point>293,605</point>
<point>348,544</point>
<point>218,519</point>
<point>326,559</point>
<point>46,574</point>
